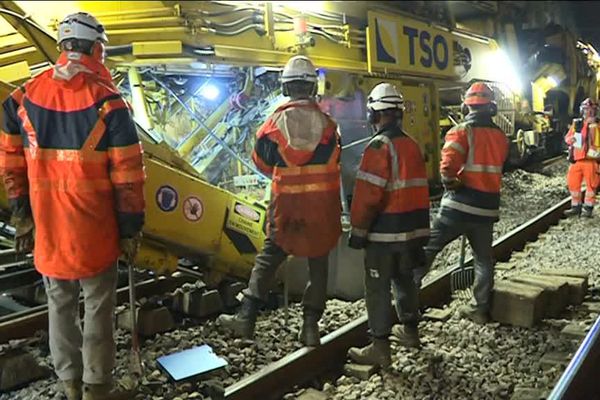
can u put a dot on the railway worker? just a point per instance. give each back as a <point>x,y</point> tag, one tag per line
<point>390,220</point>
<point>471,170</point>
<point>299,147</point>
<point>583,140</point>
<point>71,163</point>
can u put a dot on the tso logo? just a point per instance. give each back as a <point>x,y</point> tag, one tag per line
<point>433,50</point>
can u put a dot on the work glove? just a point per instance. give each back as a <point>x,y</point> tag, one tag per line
<point>356,242</point>
<point>130,246</point>
<point>452,184</point>
<point>24,234</point>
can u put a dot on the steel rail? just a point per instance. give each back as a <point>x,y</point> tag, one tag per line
<point>580,378</point>
<point>305,364</point>
<point>19,277</point>
<point>553,160</point>
<point>26,323</point>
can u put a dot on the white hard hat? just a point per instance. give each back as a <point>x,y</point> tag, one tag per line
<point>81,26</point>
<point>385,96</point>
<point>299,68</point>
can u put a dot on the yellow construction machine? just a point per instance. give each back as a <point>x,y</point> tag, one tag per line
<point>555,73</point>
<point>202,76</point>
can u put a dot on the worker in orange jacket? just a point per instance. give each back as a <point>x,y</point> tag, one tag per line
<point>390,220</point>
<point>72,168</point>
<point>473,156</point>
<point>583,140</point>
<point>299,147</point>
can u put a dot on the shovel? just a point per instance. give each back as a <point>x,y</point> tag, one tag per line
<point>135,360</point>
<point>462,279</point>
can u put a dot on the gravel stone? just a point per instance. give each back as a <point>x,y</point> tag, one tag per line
<point>458,359</point>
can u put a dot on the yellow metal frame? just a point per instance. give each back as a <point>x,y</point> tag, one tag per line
<point>161,33</point>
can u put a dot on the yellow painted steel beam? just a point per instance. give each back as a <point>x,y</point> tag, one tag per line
<point>40,38</point>
<point>114,10</point>
<point>16,72</point>
<point>143,22</point>
<point>157,48</point>
<point>138,99</point>
<point>13,42</point>
<point>279,58</point>
<point>213,121</point>
<point>210,122</point>
<point>126,36</point>
<point>29,54</point>
<point>171,61</point>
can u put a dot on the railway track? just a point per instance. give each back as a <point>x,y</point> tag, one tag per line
<point>553,160</point>
<point>27,322</point>
<point>306,364</point>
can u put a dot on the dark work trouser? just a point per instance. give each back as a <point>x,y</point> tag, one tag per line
<point>265,267</point>
<point>480,236</point>
<point>385,268</point>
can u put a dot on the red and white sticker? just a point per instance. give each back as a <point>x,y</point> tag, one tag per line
<point>193,209</point>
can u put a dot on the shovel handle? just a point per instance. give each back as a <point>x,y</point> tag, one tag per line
<point>135,344</point>
<point>463,250</point>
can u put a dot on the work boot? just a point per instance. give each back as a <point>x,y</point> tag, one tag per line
<point>72,389</point>
<point>106,392</point>
<point>474,313</point>
<point>377,353</point>
<point>587,211</point>
<point>309,334</point>
<point>407,335</point>
<point>574,211</point>
<point>242,324</point>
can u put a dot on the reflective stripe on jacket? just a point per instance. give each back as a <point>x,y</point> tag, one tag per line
<point>390,203</point>
<point>589,139</point>
<point>474,152</point>
<point>299,146</point>
<point>69,149</point>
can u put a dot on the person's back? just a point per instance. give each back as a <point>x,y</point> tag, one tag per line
<point>65,113</point>
<point>390,220</point>
<point>72,167</point>
<point>391,203</point>
<point>474,154</point>
<point>299,146</point>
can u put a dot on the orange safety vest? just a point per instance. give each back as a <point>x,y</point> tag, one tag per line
<point>589,147</point>
<point>390,203</point>
<point>474,152</point>
<point>69,150</point>
<point>305,208</point>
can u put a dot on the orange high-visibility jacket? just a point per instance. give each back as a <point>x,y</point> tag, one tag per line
<point>589,138</point>
<point>474,152</point>
<point>390,203</point>
<point>299,146</point>
<point>69,150</point>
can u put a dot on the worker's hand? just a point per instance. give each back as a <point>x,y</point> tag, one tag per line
<point>24,234</point>
<point>356,242</point>
<point>452,184</point>
<point>130,246</point>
